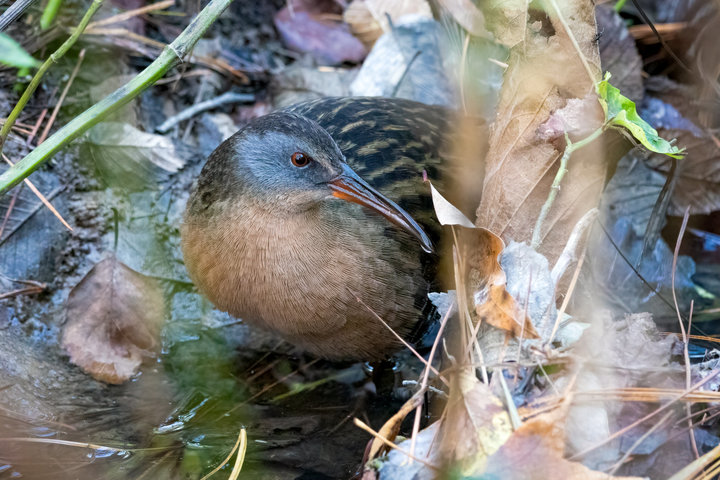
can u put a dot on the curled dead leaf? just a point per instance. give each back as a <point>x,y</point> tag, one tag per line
<point>114,316</point>
<point>480,249</point>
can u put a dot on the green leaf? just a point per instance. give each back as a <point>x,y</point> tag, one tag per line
<point>621,112</point>
<point>12,54</point>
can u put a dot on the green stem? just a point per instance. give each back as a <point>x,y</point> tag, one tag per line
<point>49,13</point>
<point>170,56</point>
<point>555,188</point>
<point>57,55</point>
<point>619,5</point>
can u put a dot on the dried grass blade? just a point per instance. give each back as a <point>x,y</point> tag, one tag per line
<point>42,198</point>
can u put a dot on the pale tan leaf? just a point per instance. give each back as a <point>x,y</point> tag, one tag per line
<point>447,213</point>
<point>114,316</point>
<point>545,72</point>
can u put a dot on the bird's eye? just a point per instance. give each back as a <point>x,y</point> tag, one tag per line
<point>300,159</point>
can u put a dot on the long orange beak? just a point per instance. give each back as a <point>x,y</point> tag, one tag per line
<point>349,186</point>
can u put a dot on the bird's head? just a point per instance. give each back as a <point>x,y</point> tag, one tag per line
<point>288,164</point>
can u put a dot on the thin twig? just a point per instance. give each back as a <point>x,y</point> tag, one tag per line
<point>690,471</point>
<point>216,64</point>
<point>60,101</point>
<point>240,459</point>
<point>568,295</point>
<point>402,340</point>
<point>121,17</point>
<point>359,423</point>
<point>36,127</point>
<point>9,210</point>
<point>55,441</point>
<point>665,46</point>
<point>225,98</point>
<point>637,443</point>
<point>170,56</point>
<point>461,296</point>
<point>35,82</point>
<point>405,72</point>
<point>426,375</point>
<point>688,374</point>
<point>509,403</point>
<point>33,287</point>
<point>40,196</point>
<point>650,415</point>
<point>555,188</point>
<point>632,267</point>
<point>265,389</point>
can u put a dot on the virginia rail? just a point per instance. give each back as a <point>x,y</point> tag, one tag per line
<point>287,228</point>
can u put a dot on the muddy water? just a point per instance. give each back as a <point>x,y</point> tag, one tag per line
<point>181,415</point>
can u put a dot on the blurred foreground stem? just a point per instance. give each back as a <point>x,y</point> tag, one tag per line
<point>57,55</point>
<point>49,14</point>
<point>171,55</point>
<point>555,188</point>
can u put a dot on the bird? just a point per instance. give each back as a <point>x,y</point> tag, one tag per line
<point>314,222</point>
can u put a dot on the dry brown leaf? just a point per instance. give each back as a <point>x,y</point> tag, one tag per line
<point>114,317</point>
<point>368,19</point>
<point>535,452</point>
<point>475,425</point>
<point>545,72</point>
<point>480,248</point>
<point>499,309</point>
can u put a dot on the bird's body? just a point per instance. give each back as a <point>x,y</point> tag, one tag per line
<point>266,239</point>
